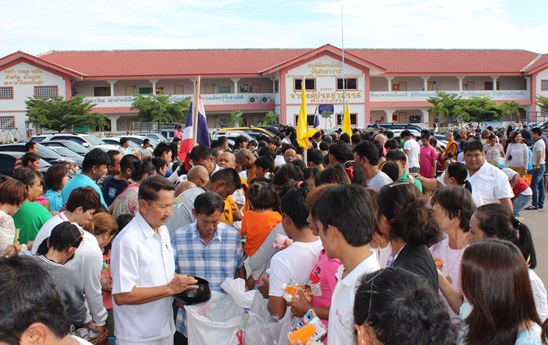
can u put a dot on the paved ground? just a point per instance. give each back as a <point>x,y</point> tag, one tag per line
<point>537,221</point>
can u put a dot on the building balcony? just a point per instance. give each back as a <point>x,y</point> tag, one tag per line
<point>411,96</point>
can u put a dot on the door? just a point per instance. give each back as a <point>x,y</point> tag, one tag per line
<point>403,86</point>
<point>130,90</point>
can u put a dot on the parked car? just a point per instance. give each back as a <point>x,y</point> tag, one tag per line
<point>71,145</point>
<point>230,134</point>
<point>68,154</point>
<point>8,159</point>
<point>394,126</point>
<point>115,141</point>
<point>87,140</point>
<point>45,153</point>
<point>254,132</point>
<point>155,138</point>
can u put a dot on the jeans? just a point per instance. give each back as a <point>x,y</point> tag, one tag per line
<point>537,185</point>
<point>519,203</point>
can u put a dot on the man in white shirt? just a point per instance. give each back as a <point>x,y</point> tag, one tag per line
<point>88,259</point>
<point>412,150</point>
<point>146,150</point>
<point>143,271</point>
<point>489,182</point>
<point>539,167</point>
<point>367,155</point>
<point>346,228</point>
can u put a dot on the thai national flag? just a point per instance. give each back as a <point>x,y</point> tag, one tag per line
<point>188,133</point>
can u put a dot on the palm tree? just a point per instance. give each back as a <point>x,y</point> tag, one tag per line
<point>235,118</point>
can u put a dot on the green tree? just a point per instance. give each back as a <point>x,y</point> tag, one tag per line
<point>235,118</point>
<point>542,102</point>
<point>60,114</point>
<point>509,108</point>
<point>445,105</point>
<point>160,108</point>
<point>481,109</point>
<point>270,119</point>
<point>327,116</point>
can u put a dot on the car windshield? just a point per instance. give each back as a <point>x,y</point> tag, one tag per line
<point>63,151</point>
<point>75,147</point>
<point>47,153</point>
<point>93,139</point>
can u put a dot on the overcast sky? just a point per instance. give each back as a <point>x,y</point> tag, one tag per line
<point>37,26</point>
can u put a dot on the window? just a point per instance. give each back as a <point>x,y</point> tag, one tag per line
<point>223,89</point>
<point>309,120</point>
<point>6,92</point>
<point>7,121</point>
<point>351,84</point>
<point>544,85</point>
<point>277,86</point>
<point>145,91</point>
<point>179,90</point>
<point>45,91</point>
<point>101,91</point>
<point>309,84</point>
<point>352,119</point>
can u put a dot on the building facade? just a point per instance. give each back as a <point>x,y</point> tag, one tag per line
<point>379,85</point>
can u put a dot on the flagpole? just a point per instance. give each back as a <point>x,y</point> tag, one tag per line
<point>195,111</point>
<point>342,47</point>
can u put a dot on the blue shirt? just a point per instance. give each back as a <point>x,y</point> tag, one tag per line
<point>55,200</point>
<point>214,261</point>
<point>81,180</point>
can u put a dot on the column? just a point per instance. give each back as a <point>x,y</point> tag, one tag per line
<point>425,83</point>
<point>527,83</point>
<point>389,83</point>
<point>154,81</point>
<point>389,113</point>
<point>236,80</point>
<point>113,122</point>
<point>460,83</point>
<point>425,118</point>
<point>112,82</point>
<point>494,83</point>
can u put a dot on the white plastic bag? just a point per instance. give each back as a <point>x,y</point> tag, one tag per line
<point>235,288</point>
<point>261,329</point>
<point>214,322</point>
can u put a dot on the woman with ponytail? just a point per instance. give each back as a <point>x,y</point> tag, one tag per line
<point>404,216</point>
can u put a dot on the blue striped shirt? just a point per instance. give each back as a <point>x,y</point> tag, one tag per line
<point>214,261</point>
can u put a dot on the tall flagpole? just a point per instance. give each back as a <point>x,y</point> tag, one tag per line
<point>195,111</point>
<point>342,46</point>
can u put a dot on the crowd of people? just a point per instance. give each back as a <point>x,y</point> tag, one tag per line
<point>391,240</point>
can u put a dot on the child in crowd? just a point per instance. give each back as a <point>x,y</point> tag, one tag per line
<point>56,178</point>
<point>262,216</point>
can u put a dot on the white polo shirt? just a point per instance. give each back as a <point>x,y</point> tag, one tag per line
<point>414,151</point>
<point>341,313</point>
<point>491,184</point>
<point>142,258</point>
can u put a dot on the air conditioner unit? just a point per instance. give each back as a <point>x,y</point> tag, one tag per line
<point>266,99</point>
<point>253,99</point>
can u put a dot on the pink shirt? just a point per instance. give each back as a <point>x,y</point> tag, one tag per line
<point>322,281</point>
<point>427,157</point>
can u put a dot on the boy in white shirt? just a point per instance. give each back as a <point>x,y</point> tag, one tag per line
<point>346,228</point>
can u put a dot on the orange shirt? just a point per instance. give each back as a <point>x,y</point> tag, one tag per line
<point>227,216</point>
<point>256,226</point>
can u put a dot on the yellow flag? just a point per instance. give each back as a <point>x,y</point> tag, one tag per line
<point>346,127</point>
<point>302,128</point>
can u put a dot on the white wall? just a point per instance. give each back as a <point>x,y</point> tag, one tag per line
<point>325,70</point>
<point>23,77</point>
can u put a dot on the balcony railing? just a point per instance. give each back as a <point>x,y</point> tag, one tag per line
<point>394,96</point>
<point>209,99</point>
